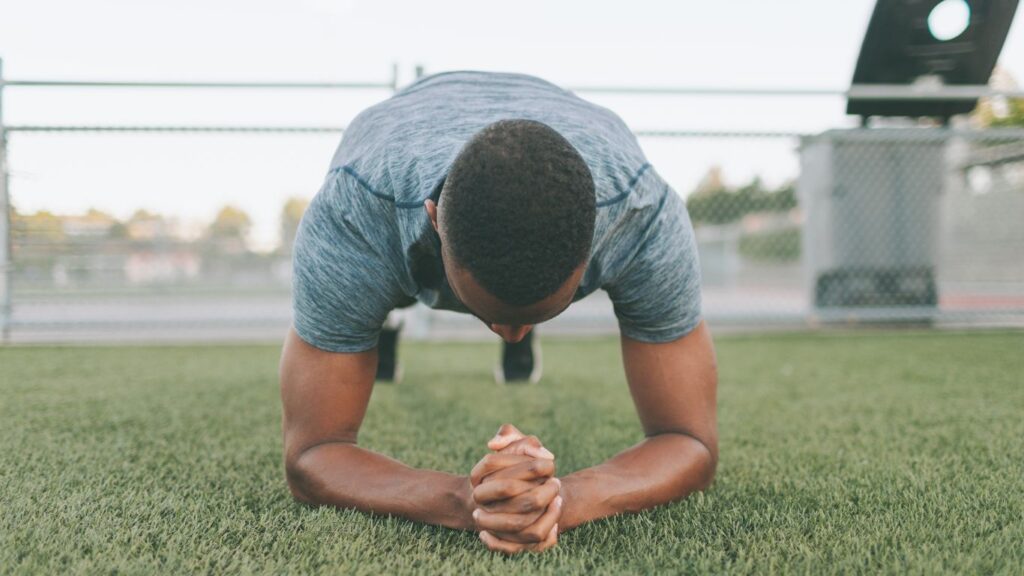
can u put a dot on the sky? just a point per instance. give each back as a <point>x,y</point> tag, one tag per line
<point>734,43</point>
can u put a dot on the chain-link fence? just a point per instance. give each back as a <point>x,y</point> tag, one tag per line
<point>910,224</point>
<point>917,225</point>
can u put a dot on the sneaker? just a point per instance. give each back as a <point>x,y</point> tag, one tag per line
<point>389,369</point>
<point>520,362</point>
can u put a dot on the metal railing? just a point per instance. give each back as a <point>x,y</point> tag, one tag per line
<point>756,262</point>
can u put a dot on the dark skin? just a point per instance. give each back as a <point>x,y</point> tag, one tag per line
<point>512,497</point>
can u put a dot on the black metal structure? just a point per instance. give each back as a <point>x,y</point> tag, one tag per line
<point>899,48</point>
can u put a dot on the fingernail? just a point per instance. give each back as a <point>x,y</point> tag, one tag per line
<point>481,535</point>
<point>557,481</point>
<point>545,453</point>
<point>558,501</point>
<point>476,514</point>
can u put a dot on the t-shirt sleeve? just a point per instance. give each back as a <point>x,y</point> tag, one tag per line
<point>657,294</point>
<point>346,264</point>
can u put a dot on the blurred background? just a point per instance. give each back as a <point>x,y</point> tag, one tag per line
<point>159,156</point>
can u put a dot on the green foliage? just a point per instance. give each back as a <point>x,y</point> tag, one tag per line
<point>42,226</point>
<point>230,222</point>
<point>1015,117</point>
<point>291,216</point>
<point>1011,115</point>
<point>867,453</point>
<point>721,204</point>
<point>772,246</point>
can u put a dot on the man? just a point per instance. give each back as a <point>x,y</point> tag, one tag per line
<point>505,197</point>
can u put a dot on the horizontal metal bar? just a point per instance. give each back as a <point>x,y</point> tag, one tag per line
<point>181,129</point>
<point>339,129</point>
<point>706,91</point>
<point>717,134</point>
<point>857,91</point>
<point>873,134</point>
<point>182,84</point>
<point>926,92</point>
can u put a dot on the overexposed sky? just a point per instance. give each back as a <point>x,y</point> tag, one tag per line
<point>735,43</point>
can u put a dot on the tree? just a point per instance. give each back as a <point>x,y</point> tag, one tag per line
<point>291,215</point>
<point>1000,112</point>
<point>1010,113</point>
<point>43,226</point>
<point>231,223</point>
<point>146,226</point>
<point>712,181</point>
<point>715,203</point>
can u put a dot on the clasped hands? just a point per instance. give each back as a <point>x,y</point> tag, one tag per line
<point>517,500</point>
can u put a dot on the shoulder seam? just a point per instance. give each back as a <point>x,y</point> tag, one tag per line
<point>622,195</point>
<point>366,186</point>
<point>362,181</point>
<point>629,188</point>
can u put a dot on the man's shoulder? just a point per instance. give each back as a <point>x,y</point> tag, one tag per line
<point>643,210</point>
<point>348,213</point>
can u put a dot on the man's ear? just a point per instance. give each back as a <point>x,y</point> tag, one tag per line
<point>431,212</point>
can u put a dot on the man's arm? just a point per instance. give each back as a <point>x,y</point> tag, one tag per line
<point>325,396</point>
<point>674,388</point>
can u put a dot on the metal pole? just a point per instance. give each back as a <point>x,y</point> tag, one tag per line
<point>218,85</point>
<point>5,227</point>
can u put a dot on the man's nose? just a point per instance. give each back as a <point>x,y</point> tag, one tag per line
<point>511,333</point>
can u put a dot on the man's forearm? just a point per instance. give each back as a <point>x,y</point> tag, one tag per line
<point>347,476</point>
<point>661,469</point>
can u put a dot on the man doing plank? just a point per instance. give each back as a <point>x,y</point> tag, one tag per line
<point>505,197</point>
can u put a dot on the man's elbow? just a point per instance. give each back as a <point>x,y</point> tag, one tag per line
<point>707,466</point>
<point>295,477</point>
<point>703,464</point>
<point>301,476</point>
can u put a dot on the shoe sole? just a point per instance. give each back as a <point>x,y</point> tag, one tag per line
<point>535,374</point>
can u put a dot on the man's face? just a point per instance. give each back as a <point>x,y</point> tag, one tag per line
<point>512,323</point>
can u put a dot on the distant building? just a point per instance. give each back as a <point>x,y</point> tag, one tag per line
<point>91,225</point>
<point>143,266</point>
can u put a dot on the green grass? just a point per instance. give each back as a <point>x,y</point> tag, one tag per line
<point>848,453</point>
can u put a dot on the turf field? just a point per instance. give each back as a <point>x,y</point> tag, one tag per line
<point>886,452</point>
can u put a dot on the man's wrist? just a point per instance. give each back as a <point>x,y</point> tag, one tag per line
<point>439,498</point>
<point>461,494</point>
<point>581,504</point>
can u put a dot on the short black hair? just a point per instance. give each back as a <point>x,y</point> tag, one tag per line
<point>519,210</point>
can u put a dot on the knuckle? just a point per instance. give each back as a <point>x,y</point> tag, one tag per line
<point>520,523</point>
<point>543,466</point>
<point>539,499</point>
<point>533,440</point>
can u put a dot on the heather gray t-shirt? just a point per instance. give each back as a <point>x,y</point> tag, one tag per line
<point>366,246</point>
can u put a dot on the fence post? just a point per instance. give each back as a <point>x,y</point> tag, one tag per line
<point>5,227</point>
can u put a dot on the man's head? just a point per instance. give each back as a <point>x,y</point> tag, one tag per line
<point>516,220</point>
